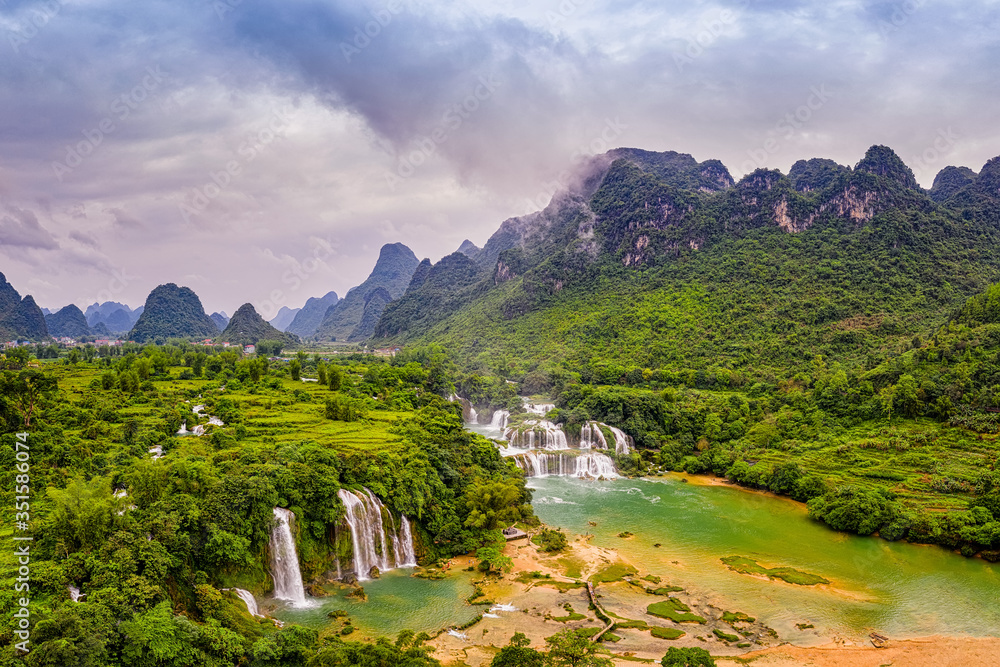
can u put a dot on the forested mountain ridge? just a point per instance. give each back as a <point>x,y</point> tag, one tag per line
<point>663,263</point>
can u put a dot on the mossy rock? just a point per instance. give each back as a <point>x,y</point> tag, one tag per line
<point>666,633</point>
<point>667,610</point>
<point>725,636</point>
<point>736,617</point>
<point>746,565</point>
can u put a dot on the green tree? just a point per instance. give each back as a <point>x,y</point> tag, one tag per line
<point>687,657</point>
<point>26,389</point>
<point>492,504</point>
<point>493,559</point>
<point>335,377</point>
<point>573,648</point>
<point>517,654</point>
<point>295,369</point>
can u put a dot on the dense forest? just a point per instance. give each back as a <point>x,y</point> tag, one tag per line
<point>153,543</point>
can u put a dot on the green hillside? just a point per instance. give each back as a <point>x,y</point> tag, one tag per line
<point>750,281</point>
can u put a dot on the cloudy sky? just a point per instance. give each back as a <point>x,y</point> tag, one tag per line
<point>263,150</point>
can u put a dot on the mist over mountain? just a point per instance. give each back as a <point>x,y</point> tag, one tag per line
<point>647,254</point>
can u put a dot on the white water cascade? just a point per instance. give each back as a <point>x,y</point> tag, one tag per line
<point>375,544</point>
<point>622,442</point>
<point>285,560</point>
<point>499,419</point>
<point>534,434</point>
<point>249,599</point>
<point>591,437</point>
<point>591,465</point>
<point>540,409</point>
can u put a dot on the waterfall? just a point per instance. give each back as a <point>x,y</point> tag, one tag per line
<point>469,415</point>
<point>537,435</point>
<point>373,544</point>
<point>285,560</point>
<point>406,538</point>
<point>74,593</point>
<point>540,409</point>
<point>589,465</point>
<point>596,466</point>
<point>499,419</point>
<point>592,437</point>
<point>249,599</point>
<point>622,441</point>
<point>184,428</point>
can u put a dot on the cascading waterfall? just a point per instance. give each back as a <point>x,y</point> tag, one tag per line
<point>374,544</point>
<point>622,442</point>
<point>469,415</point>
<point>591,437</point>
<point>589,465</point>
<point>285,560</point>
<point>499,419</point>
<point>540,409</point>
<point>249,599</point>
<point>537,435</point>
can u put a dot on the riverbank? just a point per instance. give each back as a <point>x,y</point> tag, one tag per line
<point>545,593</point>
<point>934,651</point>
<point>542,594</point>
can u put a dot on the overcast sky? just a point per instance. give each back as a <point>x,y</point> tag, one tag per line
<point>264,150</point>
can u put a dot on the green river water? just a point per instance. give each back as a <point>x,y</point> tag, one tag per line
<point>396,601</point>
<point>899,589</point>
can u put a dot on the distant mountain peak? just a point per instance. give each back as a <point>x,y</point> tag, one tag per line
<point>883,161</point>
<point>68,321</point>
<point>247,327</point>
<point>469,249</point>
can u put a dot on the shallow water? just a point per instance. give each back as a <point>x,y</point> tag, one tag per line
<point>899,589</point>
<point>396,601</point>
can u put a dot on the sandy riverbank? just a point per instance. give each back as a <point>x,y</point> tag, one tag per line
<point>539,590</point>
<point>923,652</point>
